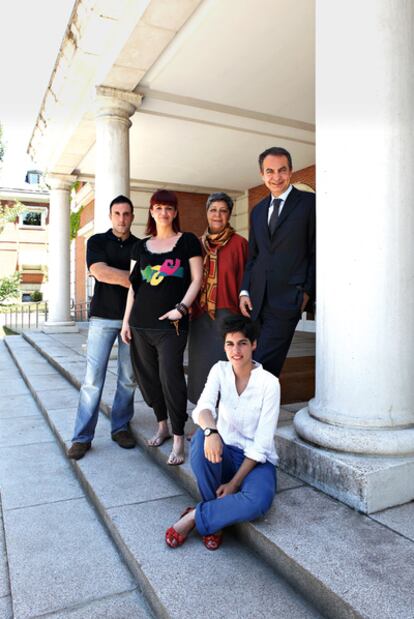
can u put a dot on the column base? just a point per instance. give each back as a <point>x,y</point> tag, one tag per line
<point>364,440</point>
<point>366,483</point>
<point>60,327</point>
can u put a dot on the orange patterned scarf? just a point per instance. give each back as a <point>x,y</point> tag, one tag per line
<point>212,243</point>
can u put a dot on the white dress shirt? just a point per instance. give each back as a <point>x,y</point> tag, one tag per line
<point>249,420</point>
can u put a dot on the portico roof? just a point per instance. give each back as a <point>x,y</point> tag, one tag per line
<point>220,80</point>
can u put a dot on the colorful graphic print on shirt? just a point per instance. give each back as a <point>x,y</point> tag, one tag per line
<point>156,273</point>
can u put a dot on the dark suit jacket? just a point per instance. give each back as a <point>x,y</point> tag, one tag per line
<point>283,266</point>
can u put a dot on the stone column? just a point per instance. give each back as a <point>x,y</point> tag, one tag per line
<point>112,176</point>
<point>364,402</point>
<point>59,255</point>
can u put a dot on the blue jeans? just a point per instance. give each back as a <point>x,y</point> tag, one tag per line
<point>252,500</point>
<point>101,337</point>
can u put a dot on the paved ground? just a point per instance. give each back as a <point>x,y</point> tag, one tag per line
<point>86,540</point>
<point>56,557</point>
<point>61,558</point>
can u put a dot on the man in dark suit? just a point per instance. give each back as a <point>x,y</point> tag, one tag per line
<point>279,280</point>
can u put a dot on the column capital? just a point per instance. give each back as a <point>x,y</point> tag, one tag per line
<point>60,181</point>
<point>116,102</point>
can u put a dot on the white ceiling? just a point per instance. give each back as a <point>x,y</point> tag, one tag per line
<point>252,54</point>
<point>236,79</point>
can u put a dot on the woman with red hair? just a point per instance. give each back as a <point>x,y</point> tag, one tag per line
<point>166,274</point>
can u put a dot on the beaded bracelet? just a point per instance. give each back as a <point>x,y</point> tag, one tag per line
<point>183,309</point>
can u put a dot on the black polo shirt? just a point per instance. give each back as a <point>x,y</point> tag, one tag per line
<point>109,300</point>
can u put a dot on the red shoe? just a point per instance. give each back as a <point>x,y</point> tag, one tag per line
<point>172,537</point>
<point>213,541</point>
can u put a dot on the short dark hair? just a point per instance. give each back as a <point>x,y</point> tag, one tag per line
<point>165,197</point>
<point>237,322</point>
<point>220,196</point>
<point>276,151</point>
<point>122,200</point>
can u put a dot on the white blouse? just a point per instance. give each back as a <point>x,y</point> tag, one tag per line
<point>249,420</point>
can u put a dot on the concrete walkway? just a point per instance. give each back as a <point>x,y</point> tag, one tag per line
<point>57,559</point>
<point>73,546</point>
<point>344,563</point>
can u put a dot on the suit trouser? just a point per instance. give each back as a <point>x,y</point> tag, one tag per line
<point>157,360</point>
<point>276,334</point>
<point>252,500</point>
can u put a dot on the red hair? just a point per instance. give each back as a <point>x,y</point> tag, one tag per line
<point>166,198</point>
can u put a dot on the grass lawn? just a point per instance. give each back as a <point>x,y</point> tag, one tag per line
<point>6,331</point>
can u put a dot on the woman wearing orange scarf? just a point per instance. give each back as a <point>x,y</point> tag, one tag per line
<point>224,259</point>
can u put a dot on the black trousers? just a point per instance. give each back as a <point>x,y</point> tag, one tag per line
<point>157,360</point>
<point>276,334</point>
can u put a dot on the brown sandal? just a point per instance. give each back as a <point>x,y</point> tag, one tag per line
<point>175,459</point>
<point>157,440</point>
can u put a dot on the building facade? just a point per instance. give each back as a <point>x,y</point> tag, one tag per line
<point>24,239</point>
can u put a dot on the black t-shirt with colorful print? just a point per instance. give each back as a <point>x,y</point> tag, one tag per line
<point>160,281</point>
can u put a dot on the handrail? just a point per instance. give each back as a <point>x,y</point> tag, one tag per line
<point>80,311</point>
<point>34,315</point>
<point>25,315</point>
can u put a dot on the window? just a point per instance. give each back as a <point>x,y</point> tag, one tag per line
<point>32,218</point>
<point>33,177</point>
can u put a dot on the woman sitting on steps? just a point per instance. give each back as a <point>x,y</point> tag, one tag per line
<point>233,457</point>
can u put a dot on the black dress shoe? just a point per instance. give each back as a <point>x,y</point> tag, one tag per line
<point>125,439</point>
<point>78,450</point>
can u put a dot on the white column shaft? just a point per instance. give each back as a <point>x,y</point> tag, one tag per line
<point>59,253</point>
<point>112,165</point>
<point>112,174</point>
<point>365,277</point>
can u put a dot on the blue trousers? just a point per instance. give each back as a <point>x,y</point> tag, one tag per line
<point>253,499</point>
<point>101,337</point>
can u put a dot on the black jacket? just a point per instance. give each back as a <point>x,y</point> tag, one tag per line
<point>282,265</point>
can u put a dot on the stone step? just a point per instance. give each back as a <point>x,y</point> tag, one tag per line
<point>348,565</point>
<point>56,557</point>
<point>137,501</point>
<point>5,595</point>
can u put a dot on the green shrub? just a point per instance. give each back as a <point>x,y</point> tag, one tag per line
<point>37,296</point>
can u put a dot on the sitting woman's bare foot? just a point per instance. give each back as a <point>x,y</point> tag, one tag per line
<point>177,453</point>
<point>161,436</point>
<point>186,523</point>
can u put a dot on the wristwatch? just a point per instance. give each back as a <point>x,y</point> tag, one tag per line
<point>209,431</point>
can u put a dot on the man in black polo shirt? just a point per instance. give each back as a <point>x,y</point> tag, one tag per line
<point>108,260</point>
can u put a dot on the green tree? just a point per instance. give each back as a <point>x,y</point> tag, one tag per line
<point>9,287</point>
<point>9,213</point>
<point>75,223</point>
